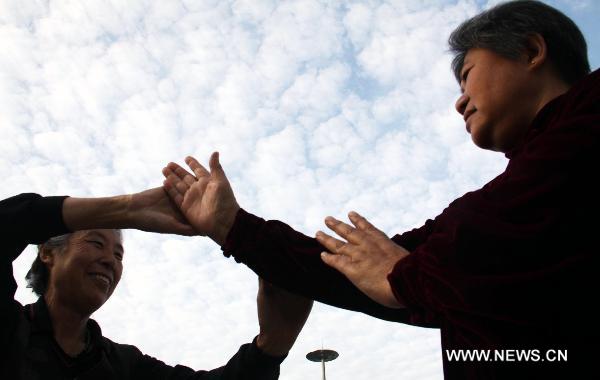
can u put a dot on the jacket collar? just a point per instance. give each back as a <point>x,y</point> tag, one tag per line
<point>41,323</point>
<point>555,108</point>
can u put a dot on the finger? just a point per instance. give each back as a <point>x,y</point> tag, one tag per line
<point>346,231</point>
<point>173,193</point>
<point>215,166</point>
<point>362,223</point>
<point>175,181</point>
<point>329,242</point>
<point>179,172</point>
<point>171,178</point>
<point>175,168</point>
<point>198,169</point>
<point>167,170</point>
<point>184,175</point>
<point>340,263</point>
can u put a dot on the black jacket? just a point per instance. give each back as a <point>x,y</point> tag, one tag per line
<point>26,334</point>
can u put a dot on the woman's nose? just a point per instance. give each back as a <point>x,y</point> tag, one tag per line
<point>461,104</point>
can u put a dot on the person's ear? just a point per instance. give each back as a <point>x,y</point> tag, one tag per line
<point>536,51</point>
<point>47,255</point>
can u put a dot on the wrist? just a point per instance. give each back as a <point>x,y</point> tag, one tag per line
<point>132,209</point>
<point>273,347</point>
<point>222,229</point>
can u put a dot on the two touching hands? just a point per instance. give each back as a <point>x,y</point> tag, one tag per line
<point>204,204</point>
<point>365,256</point>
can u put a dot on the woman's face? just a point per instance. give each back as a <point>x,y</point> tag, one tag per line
<point>87,272</point>
<point>499,99</point>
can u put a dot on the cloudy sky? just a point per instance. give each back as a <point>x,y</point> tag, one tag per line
<point>317,108</point>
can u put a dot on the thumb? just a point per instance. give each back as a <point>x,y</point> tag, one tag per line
<point>215,166</point>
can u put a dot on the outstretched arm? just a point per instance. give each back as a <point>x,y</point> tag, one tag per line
<point>272,249</point>
<point>151,210</point>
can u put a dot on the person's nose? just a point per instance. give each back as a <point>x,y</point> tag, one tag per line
<point>109,261</point>
<point>461,104</point>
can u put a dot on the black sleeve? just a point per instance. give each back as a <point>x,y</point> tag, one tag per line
<point>24,219</point>
<point>248,363</point>
<point>29,219</point>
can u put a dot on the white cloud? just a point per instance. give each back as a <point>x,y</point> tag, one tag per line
<point>316,107</point>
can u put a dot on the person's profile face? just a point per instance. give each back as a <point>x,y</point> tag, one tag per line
<point>89,269</point>
<point>496,99</point>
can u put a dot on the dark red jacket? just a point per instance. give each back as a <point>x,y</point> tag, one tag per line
<point>514,265</point>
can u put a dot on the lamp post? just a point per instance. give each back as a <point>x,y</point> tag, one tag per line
<point>322,356</point>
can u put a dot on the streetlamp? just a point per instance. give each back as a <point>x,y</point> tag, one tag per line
<point>322,356</point>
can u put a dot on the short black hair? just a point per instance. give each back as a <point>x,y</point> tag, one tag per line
<point>505,28</point>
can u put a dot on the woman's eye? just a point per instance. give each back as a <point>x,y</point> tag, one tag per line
<point>465,75</point>
<point>119,256</point>
<point>97,244</point>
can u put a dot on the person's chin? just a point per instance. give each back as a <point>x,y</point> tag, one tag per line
<point>97,297</point>
<point>480,138</point>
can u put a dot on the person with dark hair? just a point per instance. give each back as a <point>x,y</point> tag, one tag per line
<point>77,268</point>
<point>509,269</point>
<point>38,274</point>
<point>506,30</point>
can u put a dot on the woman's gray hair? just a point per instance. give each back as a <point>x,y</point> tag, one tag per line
<point>38,275</point>
<point>505,29</point>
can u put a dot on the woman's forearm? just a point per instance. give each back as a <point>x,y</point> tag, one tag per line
<point>90,213</point>
<point>149,210</point>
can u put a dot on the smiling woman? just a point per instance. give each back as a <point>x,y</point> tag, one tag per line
<point>77,271</point>
<point>85,269</point>
<point>37,276</point>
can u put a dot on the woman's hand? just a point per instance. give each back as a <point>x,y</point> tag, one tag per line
<point>152,210</point>
<point>206,199</point>
<point>366,258</point>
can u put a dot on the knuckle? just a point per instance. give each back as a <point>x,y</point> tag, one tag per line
<point>354,233</point>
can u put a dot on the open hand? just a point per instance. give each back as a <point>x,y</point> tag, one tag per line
<point>365,259</point>
<point>205,198</point>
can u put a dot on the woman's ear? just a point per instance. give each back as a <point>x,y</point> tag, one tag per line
<point>46,255</point>
<point>537,50</point>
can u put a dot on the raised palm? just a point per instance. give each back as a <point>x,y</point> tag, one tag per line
<point>205,198</point>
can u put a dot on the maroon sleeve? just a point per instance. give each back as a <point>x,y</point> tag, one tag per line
<point>410,240</point>
<point>519,253</point>
<point>292,260</point>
